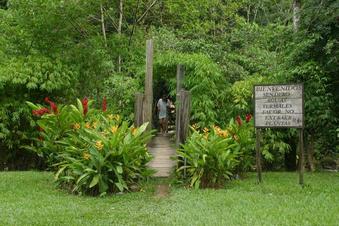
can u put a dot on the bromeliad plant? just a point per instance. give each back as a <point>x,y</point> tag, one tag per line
<point>92,152</point>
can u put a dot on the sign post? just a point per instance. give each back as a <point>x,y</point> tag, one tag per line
<point>257,154</point>
<point>301,161</point>
<point>279,106</point>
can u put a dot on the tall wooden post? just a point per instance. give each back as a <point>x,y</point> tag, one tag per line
<point>180,78</point>
<point>301,155</point>
<point>177,119</point>
<point>138,109</point>
<point>148,99</point>
<point>258,155</point>
<point>185,114</point>
<point>183,118</point>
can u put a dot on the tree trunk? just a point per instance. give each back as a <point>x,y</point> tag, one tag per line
<point>255,14</point>
<point>103,24</point>
<point>296,14</point>
<point>248,13</point>
<point>146,11</point>
<point>119,30</point>
<point>162,7</point>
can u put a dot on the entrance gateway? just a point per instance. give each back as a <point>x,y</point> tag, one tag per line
<point>279,106</point>
<point>143,101</point>
<point>161,150</point>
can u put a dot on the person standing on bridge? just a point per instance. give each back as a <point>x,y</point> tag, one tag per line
<point>162,105</point>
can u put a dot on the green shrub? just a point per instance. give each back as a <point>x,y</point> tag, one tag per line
<point>120,91</point>
<point>211,156</point>
<point>91,151</point>
<point>15,130</point>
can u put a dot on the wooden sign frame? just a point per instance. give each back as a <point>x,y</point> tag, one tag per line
<point>281,97</point>
<point>288,124</point>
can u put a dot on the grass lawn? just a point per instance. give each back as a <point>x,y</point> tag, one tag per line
<point>30,198</point>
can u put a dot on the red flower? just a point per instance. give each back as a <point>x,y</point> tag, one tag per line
<point>238,119</point>
<point>104,105</point>
<point>85,105</point>
<point>40,111</point>
<point>52,105</point>
<point>248,117</point>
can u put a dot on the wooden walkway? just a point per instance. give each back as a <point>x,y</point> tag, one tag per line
<point>162,150</point>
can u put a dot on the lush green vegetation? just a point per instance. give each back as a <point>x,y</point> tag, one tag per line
<point>54,52</point>
<point>96,48</point>
<point>70,49</point>
<point>30,198</point>
<point>95,51</point>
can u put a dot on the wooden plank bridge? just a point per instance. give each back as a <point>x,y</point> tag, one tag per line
<point>160,147</point>
<point>162,150</point>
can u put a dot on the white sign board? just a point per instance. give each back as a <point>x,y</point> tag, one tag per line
<point>279,106</point>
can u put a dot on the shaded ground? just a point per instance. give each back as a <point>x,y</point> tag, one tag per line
<point>162,190</point>
<point>30,198</point>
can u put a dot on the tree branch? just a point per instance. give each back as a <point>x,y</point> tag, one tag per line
<point>148,9</point>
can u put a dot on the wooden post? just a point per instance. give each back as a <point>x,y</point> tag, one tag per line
<point>258,155</point>
<point>180,78</point>
<point>138,111</point>
<point>148,99</point>
<point>301,156</point>
<point>185,114</point>
<point>183,118</point>
<point>177,119</point>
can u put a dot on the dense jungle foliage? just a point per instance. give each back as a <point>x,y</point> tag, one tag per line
<point>88,48</point>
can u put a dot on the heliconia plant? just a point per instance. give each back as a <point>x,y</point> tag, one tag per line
<point>91,151</point>
<point>40,112</point>
<point>100,162</point>
<point>243,133</point>
<point>104,105</point>
<point>248,118</point>
<point>84,103</point>
<point>52,104</point>
<point>238,120</point>
<point>211,156</point>
<point>208,158</point>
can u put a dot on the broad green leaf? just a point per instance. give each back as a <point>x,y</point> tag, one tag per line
<point>60,171</point>
<point>120,186</point>
<point>94,181</point>
<point>119,169</point>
